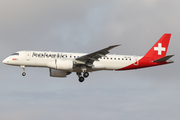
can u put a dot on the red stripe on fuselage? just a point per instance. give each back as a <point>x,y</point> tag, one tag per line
<point>14,59</point>
<point>142,63</point>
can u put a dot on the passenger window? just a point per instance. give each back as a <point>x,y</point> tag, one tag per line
<point>114,58</point>
<point>118,58</point>
<point>122,58</point>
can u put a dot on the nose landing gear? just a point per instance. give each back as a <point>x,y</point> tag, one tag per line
<point>24,73</point>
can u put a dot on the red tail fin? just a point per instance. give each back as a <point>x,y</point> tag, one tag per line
<point>160,48</point>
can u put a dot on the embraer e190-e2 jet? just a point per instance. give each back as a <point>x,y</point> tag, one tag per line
<point>61,64</point>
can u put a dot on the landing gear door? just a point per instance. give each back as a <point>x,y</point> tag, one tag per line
<point>136,62</point>
<point>28,55</point>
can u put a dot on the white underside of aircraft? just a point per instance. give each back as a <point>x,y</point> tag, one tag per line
<point>62,64</point>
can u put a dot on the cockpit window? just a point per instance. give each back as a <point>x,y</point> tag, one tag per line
<point>15,54</point>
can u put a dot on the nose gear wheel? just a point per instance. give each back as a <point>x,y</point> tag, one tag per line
<point>23,67</point>
<point>23,74</point>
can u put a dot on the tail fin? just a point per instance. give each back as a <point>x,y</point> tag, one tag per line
<point>159,49</point>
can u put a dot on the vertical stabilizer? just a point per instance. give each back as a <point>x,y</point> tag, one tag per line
<point>159,49</point>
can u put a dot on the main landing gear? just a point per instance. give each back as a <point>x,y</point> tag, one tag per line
<point>81,78</point>
<point>24,73</point>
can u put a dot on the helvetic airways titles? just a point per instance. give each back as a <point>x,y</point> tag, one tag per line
<point>47,55</point>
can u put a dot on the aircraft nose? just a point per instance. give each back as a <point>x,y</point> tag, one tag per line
<point>5,61</point>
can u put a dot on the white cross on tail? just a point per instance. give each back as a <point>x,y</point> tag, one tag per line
<point>160,48</point>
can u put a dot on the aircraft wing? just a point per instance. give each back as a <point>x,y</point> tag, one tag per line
<point>90,58</point>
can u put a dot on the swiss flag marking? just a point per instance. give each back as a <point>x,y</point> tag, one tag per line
<point>160,48</point>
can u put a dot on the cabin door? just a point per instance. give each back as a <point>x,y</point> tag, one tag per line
<point>28,55</point>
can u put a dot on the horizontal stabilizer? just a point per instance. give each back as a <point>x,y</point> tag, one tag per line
<point>163,59</point>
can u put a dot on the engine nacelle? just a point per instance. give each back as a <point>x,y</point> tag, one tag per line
<point>60,64</point>
<point>58,73</point>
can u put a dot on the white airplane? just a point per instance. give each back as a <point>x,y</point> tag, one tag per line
<point>61,64</point>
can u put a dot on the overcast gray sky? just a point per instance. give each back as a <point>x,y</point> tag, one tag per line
<point>87,26</point>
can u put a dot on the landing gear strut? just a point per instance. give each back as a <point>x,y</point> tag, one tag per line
<point>24,73</point>
<point>81,78</point>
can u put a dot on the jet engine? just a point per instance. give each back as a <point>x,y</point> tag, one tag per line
<point>60,64</point>
<point>58,73</point>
